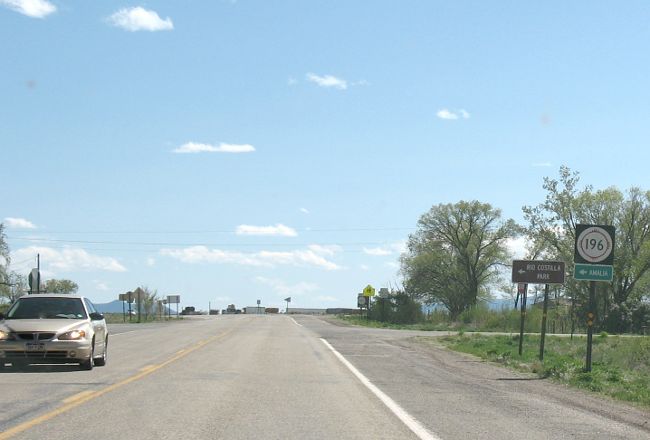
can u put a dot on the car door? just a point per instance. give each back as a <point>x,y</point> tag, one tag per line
<point>99,328</point>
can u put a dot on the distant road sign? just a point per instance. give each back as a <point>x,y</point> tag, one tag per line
<point>538,272</point>
<point>594,244</point>
<point>593,272</point>
<point>362,301</point>
<point>173,299</point>
<point>369,291</point>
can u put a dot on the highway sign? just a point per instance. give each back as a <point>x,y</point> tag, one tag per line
<point>593,272</point>
<point>34,280</point>
<point>369,291</point>
<point>362,301</point>
<point>594,244</point>
<point>173,299</point>
<point>384,292</point>
<point>538,272</point>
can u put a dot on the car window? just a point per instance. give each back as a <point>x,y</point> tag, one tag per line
<point>47,308</point>
<point>90,306</point>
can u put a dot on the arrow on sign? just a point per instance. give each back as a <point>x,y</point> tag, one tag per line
<point>583,272</point>
<point>521,271</point>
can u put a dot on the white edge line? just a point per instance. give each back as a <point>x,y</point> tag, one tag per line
<point>296,322</point>
<point>401,414</point>
<point>121,333</point>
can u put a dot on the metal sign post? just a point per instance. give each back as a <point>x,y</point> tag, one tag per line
<point>537,272</point>
<point>522,290</point>
<point>544,314</point>
<point>594,259</point>
<point>288,300</point>
<point>129,296</point>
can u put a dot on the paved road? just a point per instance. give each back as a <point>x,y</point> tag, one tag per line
<point>278,377</point>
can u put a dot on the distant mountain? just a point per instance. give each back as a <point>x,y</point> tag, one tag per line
<point>112,307</point>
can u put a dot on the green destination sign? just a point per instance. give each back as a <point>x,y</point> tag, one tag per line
<point>593,272</point>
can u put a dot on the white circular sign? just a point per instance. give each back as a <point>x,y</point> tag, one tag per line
<point>594,244</point>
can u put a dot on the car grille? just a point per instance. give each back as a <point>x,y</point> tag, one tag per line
<point>34,336</point>
<point>53,354</point>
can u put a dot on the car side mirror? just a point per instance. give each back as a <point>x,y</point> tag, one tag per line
<point>96,316</point>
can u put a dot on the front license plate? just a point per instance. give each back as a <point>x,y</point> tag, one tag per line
<point>34,347</point>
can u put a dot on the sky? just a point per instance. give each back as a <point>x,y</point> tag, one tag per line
<point>229,151</point>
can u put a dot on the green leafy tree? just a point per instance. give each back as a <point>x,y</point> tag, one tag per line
<point>397,308</point>
<point>5,259</point>
<point>456,253</point>
<point>149,300</point>
<point>551,227</point>
<point>61,286</point>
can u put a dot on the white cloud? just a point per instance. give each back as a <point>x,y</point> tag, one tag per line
<point>140,19</point>
<point>327,81</point>
<point>304,210</point>
<point>330,249</point>
<point>195,147</point>
<point>31,8</point>
<point>283,289</point>
<point>446,114</point>
<point>517,247</point>
<point>201,254</point>
<point>298,258</point>
<point>451,115</point>
<point>18,223</point>
<point>99,285</point>
<point>377,252</point>
<point>397,247</point>
<point>69,259</point>
<point>277,230</point>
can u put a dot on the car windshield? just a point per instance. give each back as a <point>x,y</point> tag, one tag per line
<point>47,308</point>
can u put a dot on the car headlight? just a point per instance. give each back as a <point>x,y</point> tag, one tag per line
<point>5,336</point>
<point>72,335</point>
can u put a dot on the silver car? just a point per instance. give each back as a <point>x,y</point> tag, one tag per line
<point>53,328</point>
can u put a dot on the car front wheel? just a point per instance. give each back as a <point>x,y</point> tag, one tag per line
<point>89,363</point>
<point>101,361</point>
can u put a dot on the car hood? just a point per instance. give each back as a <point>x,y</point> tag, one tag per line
<point>41,325</point>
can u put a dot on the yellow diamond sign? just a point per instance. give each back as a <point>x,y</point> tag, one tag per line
<point>369,291</point>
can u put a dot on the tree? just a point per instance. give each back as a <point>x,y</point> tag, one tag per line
<point>61,286</point>
<point>397,308</point>
<point>551,226</point>
<point>455,254</point>
<point>149,298</point>
<point>5,259</point>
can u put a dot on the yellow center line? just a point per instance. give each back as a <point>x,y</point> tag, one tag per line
<point>85,396</point>
<point>148,367</point>
<point>78,396</point>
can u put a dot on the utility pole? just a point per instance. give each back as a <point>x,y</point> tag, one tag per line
<point>38,277</point>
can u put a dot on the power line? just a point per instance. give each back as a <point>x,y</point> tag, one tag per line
<point>139,243</point>
<point>221,231</point>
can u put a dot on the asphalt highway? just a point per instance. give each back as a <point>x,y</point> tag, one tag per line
<point>300,377</point>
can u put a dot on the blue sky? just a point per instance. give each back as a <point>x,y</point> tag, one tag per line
<point>318,132</point>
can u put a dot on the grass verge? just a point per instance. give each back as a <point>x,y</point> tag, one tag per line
<point>118,318</point>
<point>620,365</point>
